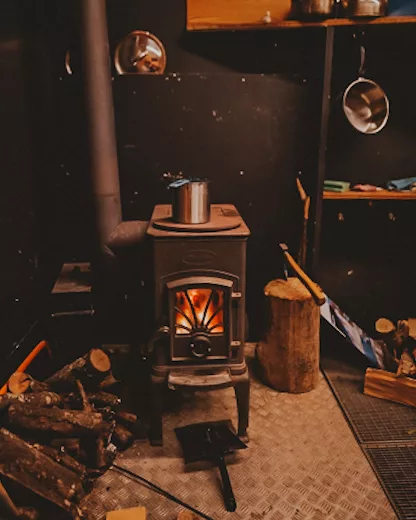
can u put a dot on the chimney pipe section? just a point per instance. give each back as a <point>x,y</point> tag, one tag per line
<point>100,118</point>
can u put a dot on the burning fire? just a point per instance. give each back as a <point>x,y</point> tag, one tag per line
<point>199,309</point>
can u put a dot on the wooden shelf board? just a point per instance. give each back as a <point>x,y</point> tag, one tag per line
<point>206,25</point>
<point>370,195</point>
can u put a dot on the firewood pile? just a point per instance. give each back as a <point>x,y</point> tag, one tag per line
<point>398,382</point>
<point>400,346</point>
<point>58,435</point>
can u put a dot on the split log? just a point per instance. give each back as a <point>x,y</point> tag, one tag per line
<point>100,458</point>
<point>72,446</point>
<point>132,423</point>
<point>98,399</point>
<point>123,438</point>
<point>29,467</point>
<point>86,405</point>
<point>64,459</point>
<point>289,354</point>
<point>27,513</point>
<point>19,383</point>
<point>89,369</point>
<point>407,365</point>
<point>104,399</point>
<point>389,386</point>
<point>68,423</point>
<point>39,399</point>
<point>108,381</point>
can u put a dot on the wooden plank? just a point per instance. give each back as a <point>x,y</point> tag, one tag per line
<point>134,513</point>
<point>220,14</point>
<point>386,385</point>
<point>203,15</point>
<point>370,195</point>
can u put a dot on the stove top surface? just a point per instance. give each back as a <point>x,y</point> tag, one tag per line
<point>225,221</point>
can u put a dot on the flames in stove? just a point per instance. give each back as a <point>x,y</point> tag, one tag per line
<point>199,310</point>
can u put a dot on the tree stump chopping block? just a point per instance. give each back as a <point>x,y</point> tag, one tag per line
<point>289,353</point>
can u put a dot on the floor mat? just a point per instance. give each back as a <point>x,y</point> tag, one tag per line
<point>386,432</point>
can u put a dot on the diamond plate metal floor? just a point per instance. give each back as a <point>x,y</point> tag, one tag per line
<point>385,430</point>
<point>303,463</point>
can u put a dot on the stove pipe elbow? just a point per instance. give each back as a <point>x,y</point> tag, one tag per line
<point>112,231</point>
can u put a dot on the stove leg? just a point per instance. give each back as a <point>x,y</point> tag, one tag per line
<point>156,427</point>
<point>242,394</point>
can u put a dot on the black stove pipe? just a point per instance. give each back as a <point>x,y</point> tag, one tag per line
<point>113,232</point>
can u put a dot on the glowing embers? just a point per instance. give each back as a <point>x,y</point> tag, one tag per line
<point>199,310</point>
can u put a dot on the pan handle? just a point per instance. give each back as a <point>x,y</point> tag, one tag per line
<point>229,499</point>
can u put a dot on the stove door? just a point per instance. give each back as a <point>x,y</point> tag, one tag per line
<point>200,318</point>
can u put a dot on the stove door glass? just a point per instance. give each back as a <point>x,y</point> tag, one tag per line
<point>199,310</point>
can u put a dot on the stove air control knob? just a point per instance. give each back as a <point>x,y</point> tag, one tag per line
<point>200,346</point>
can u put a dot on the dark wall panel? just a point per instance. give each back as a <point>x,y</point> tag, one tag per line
<point>18,230</point>
<point>368,248</point>
<point>242,108</point>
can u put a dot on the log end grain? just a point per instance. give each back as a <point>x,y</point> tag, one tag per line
<point>291,289</point>
<point>100,360</point>
<point>19,383</point>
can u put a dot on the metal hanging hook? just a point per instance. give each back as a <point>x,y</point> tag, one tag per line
<point>360,37</point>
<point>361,70</point>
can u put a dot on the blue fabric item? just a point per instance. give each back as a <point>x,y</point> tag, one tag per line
<point>401,184</point>
<point>402,7</point>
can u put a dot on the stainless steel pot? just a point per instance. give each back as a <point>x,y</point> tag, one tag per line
<point>317,7</point>
<point>190,201</point>
<point>366,106</point>
<point>365,7</point>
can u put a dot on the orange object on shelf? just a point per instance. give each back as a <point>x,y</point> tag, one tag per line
<point>27,361</point>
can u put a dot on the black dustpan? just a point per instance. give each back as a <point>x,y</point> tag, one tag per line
<point>211,441</point>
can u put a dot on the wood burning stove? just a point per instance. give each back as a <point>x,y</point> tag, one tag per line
<point>199,273</point>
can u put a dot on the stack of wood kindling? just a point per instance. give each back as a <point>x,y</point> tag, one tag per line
<point>57,435</point>
<point>398,382</point>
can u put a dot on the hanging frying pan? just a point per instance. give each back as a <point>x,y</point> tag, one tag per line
<point>365,103</point>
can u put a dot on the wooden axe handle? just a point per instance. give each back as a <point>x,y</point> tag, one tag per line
<point>313,287</point>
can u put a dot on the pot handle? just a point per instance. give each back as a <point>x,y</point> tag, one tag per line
<point>171,177</point>
<point>178,183</point>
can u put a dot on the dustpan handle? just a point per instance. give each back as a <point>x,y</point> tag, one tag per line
<point>229,499</point>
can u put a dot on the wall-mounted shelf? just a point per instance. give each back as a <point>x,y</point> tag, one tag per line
<point>370,195</point>
<point>203,18</point>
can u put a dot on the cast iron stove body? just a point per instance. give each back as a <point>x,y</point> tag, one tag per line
<point>200,285</point>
